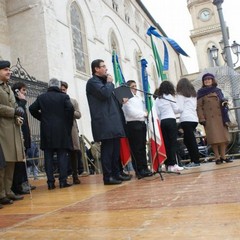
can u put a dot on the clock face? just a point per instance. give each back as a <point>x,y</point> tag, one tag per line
<point>205,15</point>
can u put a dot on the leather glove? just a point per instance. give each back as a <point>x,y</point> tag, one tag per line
<point>203,123</point>
<point>19,111</point>
<point>19,121</point>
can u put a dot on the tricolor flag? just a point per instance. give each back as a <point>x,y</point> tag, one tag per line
<point>158,152</point>
<point>125,155</point>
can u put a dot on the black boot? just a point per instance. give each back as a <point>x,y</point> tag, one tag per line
<point>76,179</point>
<point>64,185</point>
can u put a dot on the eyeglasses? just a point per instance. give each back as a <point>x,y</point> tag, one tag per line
<point>104,66</point>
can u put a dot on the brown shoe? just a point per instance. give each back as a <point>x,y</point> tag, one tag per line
<point>227,160</point>
<point>218,161</point>
<point>1,206</point>
<point>76,180</point>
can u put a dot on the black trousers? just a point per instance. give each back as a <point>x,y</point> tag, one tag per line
<point>136,133</point>
<point>19,176</point>
<point>73,154</point>
<point>110,150</point>
<point>190,140</point>
<point>62,164</point>
<point>169,132</point>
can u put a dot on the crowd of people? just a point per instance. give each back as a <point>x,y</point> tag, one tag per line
<point>111,120</point>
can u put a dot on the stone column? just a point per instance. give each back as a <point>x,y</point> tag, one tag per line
<point>4,35</point>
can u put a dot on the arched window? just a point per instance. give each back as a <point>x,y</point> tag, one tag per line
<point>138,21</point>
<point>115,46</point>
<point>127,11</point>
<point>79,39</point>
<point>115,5</point>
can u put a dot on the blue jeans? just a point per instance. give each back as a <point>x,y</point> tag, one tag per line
<point>62,164</point>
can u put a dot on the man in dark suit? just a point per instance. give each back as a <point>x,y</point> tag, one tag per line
<point>107,126</point>
<point>55,112</point>
<point>20,180</point>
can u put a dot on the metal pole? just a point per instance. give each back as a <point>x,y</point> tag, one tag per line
<point>218,4</point>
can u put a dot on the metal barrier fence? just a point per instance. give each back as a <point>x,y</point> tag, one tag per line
<point>233,148</point>
<point>88,162</point>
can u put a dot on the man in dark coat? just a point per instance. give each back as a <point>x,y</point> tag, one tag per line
<point>107,126</point>
<point>20,181</point>
<point>55,112</point>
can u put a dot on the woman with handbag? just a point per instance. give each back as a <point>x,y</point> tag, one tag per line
<point>213,115</point>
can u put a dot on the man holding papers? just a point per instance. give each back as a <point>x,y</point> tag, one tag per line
<point>136,115</point>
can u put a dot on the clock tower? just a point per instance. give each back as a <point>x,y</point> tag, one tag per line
<point>206,31</point>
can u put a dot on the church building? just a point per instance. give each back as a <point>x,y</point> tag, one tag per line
<point>60,38</point>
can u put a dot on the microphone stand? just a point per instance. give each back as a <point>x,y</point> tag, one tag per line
<point>159,171</point>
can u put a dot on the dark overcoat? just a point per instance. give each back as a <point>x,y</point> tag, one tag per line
<point>25,126</point>
<point>105,113</point>
<point>55,111</point>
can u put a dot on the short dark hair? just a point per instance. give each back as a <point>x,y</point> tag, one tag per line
<point>64,84</point>
<point>95,63</point>
<point>129,82</point>
<point>166,87</point>
<point>18,85</point>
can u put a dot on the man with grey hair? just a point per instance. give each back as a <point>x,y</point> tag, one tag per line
<point>53,82</point>
<point>55,111</point>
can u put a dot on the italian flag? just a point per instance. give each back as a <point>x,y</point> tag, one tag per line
<point>157,147</point>
<point>125,154</point>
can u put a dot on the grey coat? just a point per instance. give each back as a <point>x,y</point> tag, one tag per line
<point>104,110</point>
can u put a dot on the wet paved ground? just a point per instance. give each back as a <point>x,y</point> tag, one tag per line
<point>201,203</point>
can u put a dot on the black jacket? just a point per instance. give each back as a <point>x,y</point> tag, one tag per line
<point>105,113</point>
<point>25,126</point>
<point>55,112</point>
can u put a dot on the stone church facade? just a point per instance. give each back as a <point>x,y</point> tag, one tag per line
<point>60,38</point>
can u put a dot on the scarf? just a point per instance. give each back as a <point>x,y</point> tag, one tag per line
<point>207,90</point>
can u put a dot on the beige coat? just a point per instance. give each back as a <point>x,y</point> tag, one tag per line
<point>209,110</point>
<point>10,132</point>
<point>75,131</point>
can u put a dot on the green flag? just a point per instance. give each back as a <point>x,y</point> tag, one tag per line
<point>161,75</point>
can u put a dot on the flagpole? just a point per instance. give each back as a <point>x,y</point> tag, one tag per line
<point>155,138</point>
<point>159,154</point>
